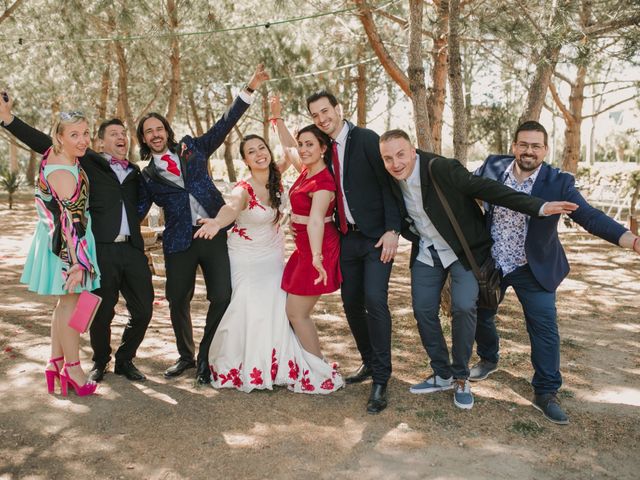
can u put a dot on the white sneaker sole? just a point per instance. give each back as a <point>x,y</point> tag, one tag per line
<point>421,391</point>
<point>464,406</point>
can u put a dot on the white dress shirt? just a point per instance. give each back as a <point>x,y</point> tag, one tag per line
<point>412,194</point>
<point>121,173</point>
<point>341,142</point>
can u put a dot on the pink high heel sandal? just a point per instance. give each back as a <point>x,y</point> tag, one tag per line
<point>88,388</point>
<point>53,375</point>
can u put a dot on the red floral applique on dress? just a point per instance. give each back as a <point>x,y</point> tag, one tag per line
<point>294,370</point>
<point>306,383</point>
<point>233,376</point>
<point>327,385</point>
<point>214,374</point>
<point>253,200</point>
<point>274,365</point>
<point>241,231</point>
<point>256,376</point>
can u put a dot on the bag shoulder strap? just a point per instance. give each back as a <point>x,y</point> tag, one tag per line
<point>454,223</point>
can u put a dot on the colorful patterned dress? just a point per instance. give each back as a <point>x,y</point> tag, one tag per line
<point>48,259</point>
<point>254,346</point>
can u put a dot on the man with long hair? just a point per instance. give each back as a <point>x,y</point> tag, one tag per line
<point>178,181</point>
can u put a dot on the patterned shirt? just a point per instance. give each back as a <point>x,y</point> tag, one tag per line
<point>509,228</point>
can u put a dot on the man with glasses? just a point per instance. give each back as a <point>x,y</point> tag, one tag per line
<point>532,259</point>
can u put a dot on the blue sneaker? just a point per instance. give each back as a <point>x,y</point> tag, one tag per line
<point>433,384</point>
<point>462,396</point>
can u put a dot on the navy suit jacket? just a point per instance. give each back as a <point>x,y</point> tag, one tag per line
<point>367,185</point>
<point>194,155</point>
<point>544,251</point>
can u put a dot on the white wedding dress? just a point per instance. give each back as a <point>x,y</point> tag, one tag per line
<point>254,346</point>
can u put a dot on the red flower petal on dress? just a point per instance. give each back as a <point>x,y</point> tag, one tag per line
<point>294,370</point>
<point>256,376</point>
<point>274,365</point>
<point>214,374</point>
<point>327,384</point>
<point>241,231</point>
<point>306,385</point>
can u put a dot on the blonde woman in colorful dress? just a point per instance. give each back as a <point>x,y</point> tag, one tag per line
<point>62,257</point>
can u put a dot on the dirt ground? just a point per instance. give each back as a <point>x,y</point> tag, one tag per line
<point>168,429</point>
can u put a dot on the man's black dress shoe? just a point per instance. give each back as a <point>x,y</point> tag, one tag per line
<point>203,374</point>
<point>96,374</point>
<point>129,370</point>
<point>377,399</point>
<point>360,375</point>
<point>179,367</point>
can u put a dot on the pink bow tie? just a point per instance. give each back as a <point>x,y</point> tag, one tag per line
<point>124,163</point>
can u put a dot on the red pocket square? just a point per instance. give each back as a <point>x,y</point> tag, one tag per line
<point>84,312</point>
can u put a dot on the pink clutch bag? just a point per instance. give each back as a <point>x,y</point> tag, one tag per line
<point>84,312</point>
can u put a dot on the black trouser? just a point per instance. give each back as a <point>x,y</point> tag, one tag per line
<point>125,269</point>
<point>213,258</point>
<point>365,288</point>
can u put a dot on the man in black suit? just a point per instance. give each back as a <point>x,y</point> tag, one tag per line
<point>113,199</point>
<point>437,252</point>
<point>369,220</point>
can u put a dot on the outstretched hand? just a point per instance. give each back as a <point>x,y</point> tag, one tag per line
<point>209,228</point>
<point>557,208</point>
<point>258,77</point>
<point>74,278</point>
<point>5,107</point>
<point>276,106</point>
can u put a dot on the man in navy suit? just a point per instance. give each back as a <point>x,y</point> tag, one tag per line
<point>533,261</point>
<point>178,181</point>
<point>368,217</point>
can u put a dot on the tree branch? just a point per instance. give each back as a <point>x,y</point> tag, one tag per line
<point>611,107</point>
<point>7,13</point>
<point>565,112</point>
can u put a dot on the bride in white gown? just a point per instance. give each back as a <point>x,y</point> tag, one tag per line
<point>254,346</point>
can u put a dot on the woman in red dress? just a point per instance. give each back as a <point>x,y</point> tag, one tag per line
<point>313,268</point>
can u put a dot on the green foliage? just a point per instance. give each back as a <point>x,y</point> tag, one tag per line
<point>527,428</point>
<point>10,182</point>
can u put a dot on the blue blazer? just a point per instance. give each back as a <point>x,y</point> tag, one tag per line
<point>544,251</point>
<point>194,155</point>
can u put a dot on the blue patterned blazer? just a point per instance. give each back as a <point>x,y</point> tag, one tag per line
<point>544,251</point>
<point>194,155</point>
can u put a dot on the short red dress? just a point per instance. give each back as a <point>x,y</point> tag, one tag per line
<point>299,273</point>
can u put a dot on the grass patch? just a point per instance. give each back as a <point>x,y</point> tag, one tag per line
<point>526,428</point>
<point>571,343</point>
<point>566,394</point>
<point>437,416</point>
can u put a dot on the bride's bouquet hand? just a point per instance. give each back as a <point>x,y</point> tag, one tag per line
<point>322,273</point>
<point>209,228</point>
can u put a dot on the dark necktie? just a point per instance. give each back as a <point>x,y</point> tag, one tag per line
<point>342,218</point>
<point>172,166</point>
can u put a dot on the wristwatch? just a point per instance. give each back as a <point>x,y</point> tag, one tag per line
<point>395,232</point>
<point>248,88</point>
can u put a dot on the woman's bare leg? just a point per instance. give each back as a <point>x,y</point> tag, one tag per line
<point>299,310</point>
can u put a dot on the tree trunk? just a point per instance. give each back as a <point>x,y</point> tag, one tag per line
<point>31,169</point>
<point>455,84</point>
<point>545,66</point>
<point>571,152</point>
<point>387,62</point>
<point>174,95</point>
<point>228,144</point>
<point>266,114</point>
<point>196,117</point>
<point>361,83</point>
<point>101,108</point>
<point>416,77</point>
<point>13,155</point>
<point>437,92</point>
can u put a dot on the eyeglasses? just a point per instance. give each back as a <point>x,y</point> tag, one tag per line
<point>66,116</point>
<point>536,147</point>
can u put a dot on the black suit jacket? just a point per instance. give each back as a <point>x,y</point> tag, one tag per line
<point>460,187</point>
<point>106,193</point>
<point>367,186</point>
